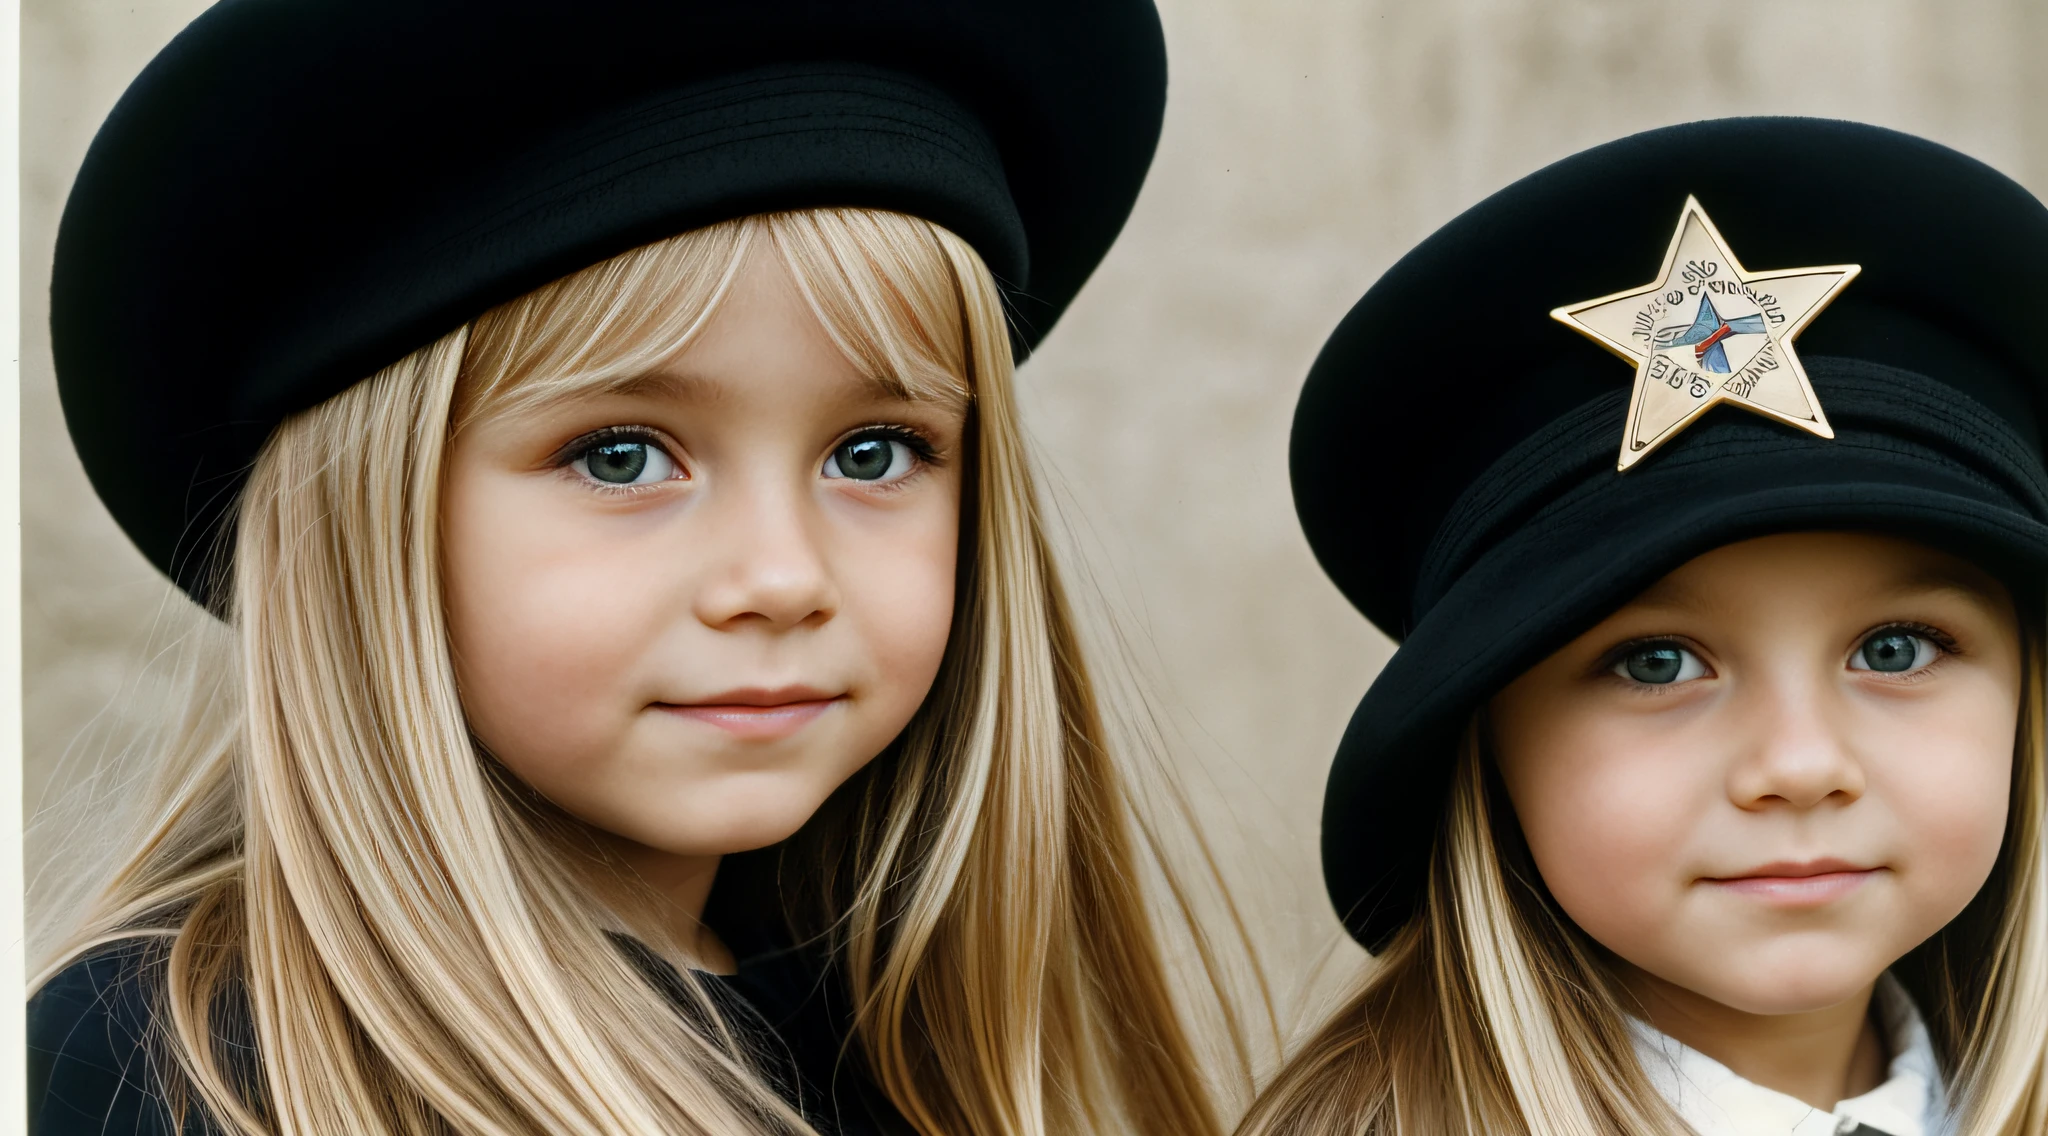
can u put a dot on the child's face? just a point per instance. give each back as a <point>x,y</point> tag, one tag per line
<point>686,613</point>
<point>1776,771</point>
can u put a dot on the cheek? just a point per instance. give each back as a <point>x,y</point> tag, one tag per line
<point>899,594</point>
<point>540,650</point>
<point>1946,776</point>
<point>1609,815</point>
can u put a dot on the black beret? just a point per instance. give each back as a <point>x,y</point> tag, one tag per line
<point>1454,455</point>
<point>297,193</point>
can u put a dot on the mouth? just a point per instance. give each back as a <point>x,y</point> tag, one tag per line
<point>1785,883</point>
<point>757,713</point>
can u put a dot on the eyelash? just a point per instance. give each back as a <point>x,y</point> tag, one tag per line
<point>1614,658</point>
<point>920,445</point>
<point>1934,635</point>
<point>584,444</point>
<point>926,456</point>
<point>1944,647</point>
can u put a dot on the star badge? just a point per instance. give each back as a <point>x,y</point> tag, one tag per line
<point>1709,331</point>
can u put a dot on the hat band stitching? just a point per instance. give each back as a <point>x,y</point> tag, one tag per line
<point>1511,492</point>
<point>673,148</point>
<point>1586,496</point>
<point>967,140</point>
<point>1573,510</point>
<point>1970,425</point>
<point>731,91</point>
<point>1570,443</point>
<point>650,118</point>
<point>740,92</point>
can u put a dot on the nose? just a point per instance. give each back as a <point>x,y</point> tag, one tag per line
<point>769,566</point>
<point>1796,749</point>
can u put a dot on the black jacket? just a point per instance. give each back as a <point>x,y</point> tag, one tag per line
<point>92,1072</point>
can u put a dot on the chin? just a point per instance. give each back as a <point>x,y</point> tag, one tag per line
<point>1791,986</point>
<point>720,827</point>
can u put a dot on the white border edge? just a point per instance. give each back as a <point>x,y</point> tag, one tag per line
<point>13,926</point>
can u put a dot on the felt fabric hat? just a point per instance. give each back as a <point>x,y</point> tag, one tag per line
<point>1819,324</point>
<point>297,193</point>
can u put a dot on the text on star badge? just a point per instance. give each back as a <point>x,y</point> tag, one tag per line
<point>1708,331</point>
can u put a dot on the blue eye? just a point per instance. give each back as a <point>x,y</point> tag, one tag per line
<point>1892,652</point>
<point>625,462</point>
<point>870,458</point>
<point>1660,664</point>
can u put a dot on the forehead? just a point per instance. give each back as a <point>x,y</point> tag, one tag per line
<point>1809,565</point>
<point>681,381</point>
<point>685,321</point>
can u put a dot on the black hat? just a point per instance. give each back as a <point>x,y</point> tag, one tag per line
<point>1455,450</point>
<point>297,193</point>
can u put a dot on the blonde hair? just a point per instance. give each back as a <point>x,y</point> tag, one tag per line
<point>419,946</point>
<point>1490,1012</point>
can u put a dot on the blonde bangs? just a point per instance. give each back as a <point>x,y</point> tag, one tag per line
<point>600,328</point>
<point>882,284</point>
<point>888,290</point>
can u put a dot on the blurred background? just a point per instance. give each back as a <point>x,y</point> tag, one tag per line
<point>1309,143</point>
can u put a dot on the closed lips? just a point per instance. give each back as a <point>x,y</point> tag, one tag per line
<point>757,714</point>
<point>1809,884</point>
<point>1791,870</point>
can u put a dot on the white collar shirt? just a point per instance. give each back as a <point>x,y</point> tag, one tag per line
<point>1716,1102</point>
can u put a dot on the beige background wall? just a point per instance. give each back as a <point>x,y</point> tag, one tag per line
<point>1308,144</point>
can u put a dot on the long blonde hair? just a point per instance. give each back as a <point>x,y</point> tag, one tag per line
<point>418,944</point>
<point>1490,1012</point>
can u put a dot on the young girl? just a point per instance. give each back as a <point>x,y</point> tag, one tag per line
<point>651,706</point>
<point>1705,792</point>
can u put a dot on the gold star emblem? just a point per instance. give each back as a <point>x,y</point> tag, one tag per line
<point>1709,331</point>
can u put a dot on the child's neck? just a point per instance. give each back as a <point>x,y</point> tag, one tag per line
<point>683,883</point>
<point>1821,1057</point>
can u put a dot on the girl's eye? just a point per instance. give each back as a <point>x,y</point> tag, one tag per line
<point>1893,652</point>
<point>1660,665</point>
<point>625,462</point>
<point>870,458</point>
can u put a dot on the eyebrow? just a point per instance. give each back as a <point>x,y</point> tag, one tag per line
<point>682,385</point>
<point>663,384</point>
<point>1670,594</point>
<point>1938,578</point>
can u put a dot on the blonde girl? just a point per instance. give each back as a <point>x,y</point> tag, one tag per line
<point>647,703</point>
<point>1705,792</point>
